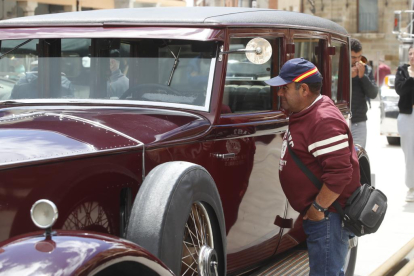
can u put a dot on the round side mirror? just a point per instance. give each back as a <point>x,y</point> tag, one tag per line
<point>262,50</point>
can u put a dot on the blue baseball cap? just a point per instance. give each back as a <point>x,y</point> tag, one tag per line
<point>296,70</point>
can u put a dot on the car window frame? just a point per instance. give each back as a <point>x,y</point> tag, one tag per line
<point>344,103</point>
<point>325,62</point>
<point>254,117</point>
<point>93,33</point>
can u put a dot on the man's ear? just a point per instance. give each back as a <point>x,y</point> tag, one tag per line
<point>305,90</point>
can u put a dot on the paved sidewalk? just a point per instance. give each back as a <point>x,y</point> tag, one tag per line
<point>387,163</point>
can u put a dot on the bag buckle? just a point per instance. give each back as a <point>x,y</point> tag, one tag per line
<point>346,218</point>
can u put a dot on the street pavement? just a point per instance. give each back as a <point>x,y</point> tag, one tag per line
<point>397,229</point>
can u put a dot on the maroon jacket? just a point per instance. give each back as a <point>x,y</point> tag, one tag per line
<point>320,137</point>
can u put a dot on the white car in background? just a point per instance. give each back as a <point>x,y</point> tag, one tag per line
<point>389,110</point>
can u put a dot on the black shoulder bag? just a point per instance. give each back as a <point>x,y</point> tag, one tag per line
<point>364,210</point>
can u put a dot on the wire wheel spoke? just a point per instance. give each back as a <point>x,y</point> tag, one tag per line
<point>197,233</point>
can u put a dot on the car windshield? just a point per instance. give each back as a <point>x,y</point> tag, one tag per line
<point>164,72</point>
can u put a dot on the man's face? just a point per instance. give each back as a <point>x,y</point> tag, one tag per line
<point>355,57</point>
<point>113,64</point>
<point>291,98</point>
<point>411,56</point>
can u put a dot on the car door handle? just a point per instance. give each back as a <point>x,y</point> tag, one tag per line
<point>224,155</point>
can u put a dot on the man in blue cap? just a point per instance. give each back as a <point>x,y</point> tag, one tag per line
<point>319,135</point>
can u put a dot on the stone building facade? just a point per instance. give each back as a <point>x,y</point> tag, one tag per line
<point>18,8</point>
<point>370,21</point>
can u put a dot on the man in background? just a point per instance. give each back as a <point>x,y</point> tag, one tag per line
<point>363,85</point>
<point>118,83</point>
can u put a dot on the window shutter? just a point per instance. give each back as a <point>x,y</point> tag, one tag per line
<point>368,16</point>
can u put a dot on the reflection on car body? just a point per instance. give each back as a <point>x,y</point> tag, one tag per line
<point>389,111</point>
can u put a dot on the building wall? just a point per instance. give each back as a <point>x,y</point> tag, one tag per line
<point>17,8</point>
<point>289,5</point>
<point>376,45</point>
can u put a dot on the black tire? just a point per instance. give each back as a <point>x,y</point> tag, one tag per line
<point>162,207</point>
<point>395,141</point>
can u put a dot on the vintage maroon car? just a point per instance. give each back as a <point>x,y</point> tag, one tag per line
<point>150,142</point>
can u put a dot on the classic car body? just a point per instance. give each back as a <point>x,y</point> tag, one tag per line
<point>77,253</point>
<point>389,111</point>
<point>183,162</point>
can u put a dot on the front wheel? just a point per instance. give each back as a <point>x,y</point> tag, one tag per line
<point>177,216</point>
<point>199,255</point>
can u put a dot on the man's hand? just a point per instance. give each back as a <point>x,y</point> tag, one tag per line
<point>361,69</point>
<point>354,71</point>
<point>325,198</point>
<point>313,214</point>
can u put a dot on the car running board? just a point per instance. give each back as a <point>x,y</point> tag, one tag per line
<point>294,263</point>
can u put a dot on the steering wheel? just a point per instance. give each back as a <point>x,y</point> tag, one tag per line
<point>139,90</point>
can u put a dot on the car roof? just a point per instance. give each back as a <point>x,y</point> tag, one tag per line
<point>183,16</point>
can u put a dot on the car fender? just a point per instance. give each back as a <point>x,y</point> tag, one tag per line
<point>76,253</point>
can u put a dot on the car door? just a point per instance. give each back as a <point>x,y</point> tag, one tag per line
<point>246,154</point>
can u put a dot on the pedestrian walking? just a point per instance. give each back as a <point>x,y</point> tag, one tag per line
<point>404,86</point>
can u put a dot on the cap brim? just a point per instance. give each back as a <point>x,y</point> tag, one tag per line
<point>277,81</point>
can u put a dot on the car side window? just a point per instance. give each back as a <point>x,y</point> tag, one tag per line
<point>337,67</point>
<point>309,48</point>
<point>245,90</point>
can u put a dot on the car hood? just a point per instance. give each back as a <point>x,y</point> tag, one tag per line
<point>34,134</point>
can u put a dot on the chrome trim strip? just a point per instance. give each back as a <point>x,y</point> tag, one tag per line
<point>152,265</point>
<point>143,162</point>
<point>96,124</point>
<point>105,101</point>
<point>261,133</point>
<point>210,84</point>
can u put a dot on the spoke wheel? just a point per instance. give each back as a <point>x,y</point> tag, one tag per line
<point>185,226</point>
<point>88,216</point>
<point>199,257</point>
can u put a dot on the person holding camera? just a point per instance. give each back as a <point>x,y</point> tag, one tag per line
<point>363,85</point>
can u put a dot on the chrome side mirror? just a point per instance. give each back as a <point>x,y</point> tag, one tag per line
<point>258,51</point>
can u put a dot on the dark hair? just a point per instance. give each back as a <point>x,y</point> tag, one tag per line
<point>314,87</point>
<point>356,45</point>
<point>114,54</point>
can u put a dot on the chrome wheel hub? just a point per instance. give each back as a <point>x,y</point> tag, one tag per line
<point>198,257</point>
<point>207,261</point>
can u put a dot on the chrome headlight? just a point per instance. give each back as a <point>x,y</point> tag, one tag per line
<point>44,213</point>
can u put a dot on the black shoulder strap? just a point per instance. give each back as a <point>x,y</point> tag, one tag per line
<point>318,183</point>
